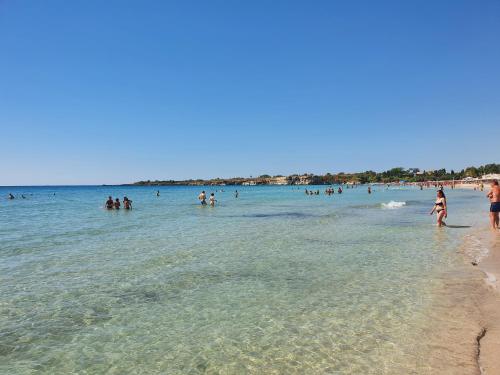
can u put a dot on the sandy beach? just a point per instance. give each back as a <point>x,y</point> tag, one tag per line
<point>489,306</point>
<point>467,336</point>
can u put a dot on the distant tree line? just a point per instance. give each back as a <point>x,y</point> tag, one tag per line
<point>391,175</point>
<point>411,175</point>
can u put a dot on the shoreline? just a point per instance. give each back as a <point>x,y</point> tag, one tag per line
<point>473,300</point>
<point>488,340</point>
<point>461,327</point>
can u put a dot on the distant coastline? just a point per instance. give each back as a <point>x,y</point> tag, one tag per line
<point>394,175</point>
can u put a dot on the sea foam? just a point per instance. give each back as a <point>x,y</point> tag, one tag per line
<point>392,205</point>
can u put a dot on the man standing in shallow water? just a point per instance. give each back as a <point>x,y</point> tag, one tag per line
<point>203,198</point>
<point>109,203</point>
<point>494,196</point>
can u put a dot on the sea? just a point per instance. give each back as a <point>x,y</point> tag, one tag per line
<point>272,282</point>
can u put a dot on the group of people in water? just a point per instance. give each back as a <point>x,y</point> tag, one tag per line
<point>203,198</point>
<point>440,206</point>
<point>11,196</point>
<point>328,191</point>
<point>115,204</point>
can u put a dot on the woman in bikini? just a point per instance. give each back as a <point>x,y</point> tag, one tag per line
<point>440,208</point>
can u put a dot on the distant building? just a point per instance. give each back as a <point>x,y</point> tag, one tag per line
<point>305,179</point>
<point>281,180</point>
<point>491,177</point>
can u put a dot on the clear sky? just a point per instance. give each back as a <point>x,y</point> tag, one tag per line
<point>120,91</point>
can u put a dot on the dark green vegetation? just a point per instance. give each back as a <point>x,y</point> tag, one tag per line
<point>392,175</point>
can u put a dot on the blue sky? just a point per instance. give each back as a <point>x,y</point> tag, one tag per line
<point>119,91</point>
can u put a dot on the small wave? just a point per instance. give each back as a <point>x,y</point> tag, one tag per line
<point>392,205</point>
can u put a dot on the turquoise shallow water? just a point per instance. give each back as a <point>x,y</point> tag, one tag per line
<point>272,282</point>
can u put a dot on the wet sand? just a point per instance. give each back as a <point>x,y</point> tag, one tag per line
<point>489,343</point>
<point>469,313</point>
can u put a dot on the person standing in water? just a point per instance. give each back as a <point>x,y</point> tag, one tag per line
<point>494,197</point>
<point>157,193</point>
<point>11,196</point>
<point>369,190</point>
<point>440,208</point>
<point>117,204</point>
<point>236,194</point>
<point>203,198</point>
<point>127,203</point>
<point>109,203</point>
<point>212,200</point>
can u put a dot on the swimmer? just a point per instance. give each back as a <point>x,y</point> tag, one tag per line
<point>494,197</point>
<point>11,196</point>
<point>203,198</point>
<point>440,208</point>
<point>117,204</point>
<point>127,203</point>
<point>369,190</point>
<point>212,200</point>
<point>158,193</point>
<point>109,203</point>
<point>236,194</point>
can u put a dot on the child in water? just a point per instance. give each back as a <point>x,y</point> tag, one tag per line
<point>212,199</point>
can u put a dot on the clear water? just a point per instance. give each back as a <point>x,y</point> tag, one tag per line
<point>272,282</point>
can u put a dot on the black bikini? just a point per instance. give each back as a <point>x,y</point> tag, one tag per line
<point>440,204</point>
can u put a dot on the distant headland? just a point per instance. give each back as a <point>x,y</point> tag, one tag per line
<point>398,174</point>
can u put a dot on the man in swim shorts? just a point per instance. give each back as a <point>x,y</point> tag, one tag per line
<point>494,196</point>
<point>109,203</point>
<point>203,198</point>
